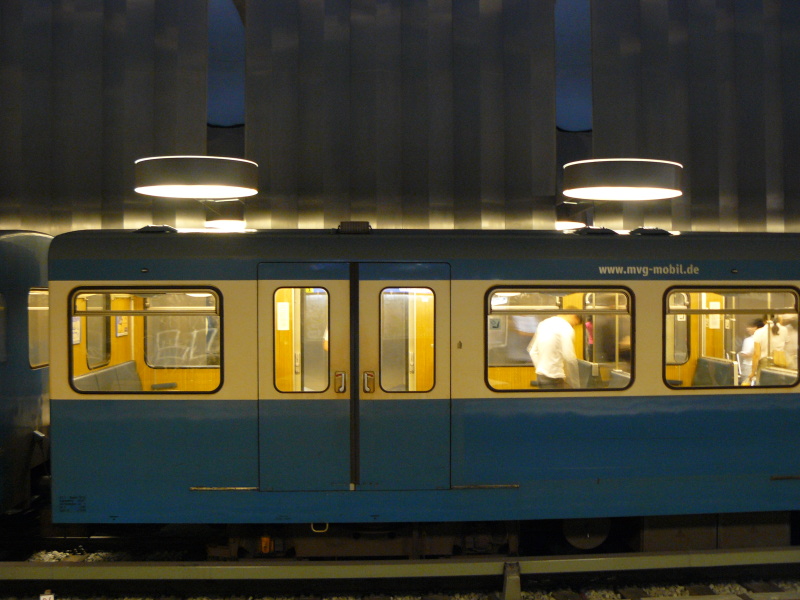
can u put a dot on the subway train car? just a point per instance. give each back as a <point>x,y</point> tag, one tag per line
<point>24,417</point>
<point>357,376</point>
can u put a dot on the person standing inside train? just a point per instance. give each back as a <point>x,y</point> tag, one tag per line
<point>769,342</point>
<point>746,353</point>
<point>790,321</point>
<point>552,351</point>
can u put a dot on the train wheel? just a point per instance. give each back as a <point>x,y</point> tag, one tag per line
<point>586,534</point>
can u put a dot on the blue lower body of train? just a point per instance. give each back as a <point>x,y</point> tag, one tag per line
<point>207,461</point>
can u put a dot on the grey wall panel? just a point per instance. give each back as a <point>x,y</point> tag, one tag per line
<point>678,99</point>
<point>706,111</point>
<point>790,117</point>
<point>25,80</point>
<point>311,120</point>
<point>708,83</point>
<point>467,114</point>
<point>773,116</point>
<point>257,85</point>
<point>77,106</point>
<point>134,135</point>
<point>88,87</point>
<point>539,51</point>
<point>114,92</point>
<point>404,113</point>
<point>336,143</point>
<point>656,103</point>
<point>440,175</point>
<point>616,46</point>
<point>416,114</point>
<point>722,200</point>
<point>751,92</point>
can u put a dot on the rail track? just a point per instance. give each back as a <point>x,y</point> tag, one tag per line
<point>503,577</point>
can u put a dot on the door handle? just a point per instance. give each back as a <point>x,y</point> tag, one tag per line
<point>340,378</point>
<point>369,382</point>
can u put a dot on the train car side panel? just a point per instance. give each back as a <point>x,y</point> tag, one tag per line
<point>387,430</point>
<point>120,463</point>
<point>24,398</point>
<point>633,455</point>
<point>304,383</point>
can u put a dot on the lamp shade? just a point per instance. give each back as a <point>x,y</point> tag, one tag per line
<point>227,215</point>
<point>571,215</point>
<point>622,179</point>
<point>198,177</point>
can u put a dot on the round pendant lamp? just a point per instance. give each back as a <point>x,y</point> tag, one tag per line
<point>196,177</point>
<point>571,215</point>
<point>225,215</point>
<point>622,179</point>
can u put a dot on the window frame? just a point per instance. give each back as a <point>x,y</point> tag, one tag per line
<point>43,336</point>
<point>106,334</point>
<point>585,289</point>
<point>72,313</point>
<point>275,339</point>
<point>3,329</point>
<point>150,363</point>
<point>722,290</point>
<point>381,338</point>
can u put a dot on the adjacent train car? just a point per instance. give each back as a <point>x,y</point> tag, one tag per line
<point>284,377</point>
<point>24,418</point>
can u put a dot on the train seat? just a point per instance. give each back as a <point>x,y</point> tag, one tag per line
<point>589,375</point>
<point>119,378</point>
<point>714,372</point>
<point>776,376</point>
<point>619,379</point>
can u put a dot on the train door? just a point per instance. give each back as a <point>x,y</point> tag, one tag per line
<point>354,374</point>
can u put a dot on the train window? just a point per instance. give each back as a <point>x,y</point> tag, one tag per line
<point>98,337</point>
<point>38,339</point>
<point>158,340</point>
<point>407,339</point>
<point>551,338</point>
<point>3,337</point>
<point>733,337</point>
<point>301,339</point>
<point>677,330</point>
<point>185,333</point>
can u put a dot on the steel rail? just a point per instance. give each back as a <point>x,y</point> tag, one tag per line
<point>509,570</point>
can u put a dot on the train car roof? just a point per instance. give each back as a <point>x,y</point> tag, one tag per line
<point>23,259</point>
<point>412,244</point>
<point>748,255</point>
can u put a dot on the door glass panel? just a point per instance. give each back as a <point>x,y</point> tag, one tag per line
<point>301,339</point>
<point>3,348</point>
<point>38,343</point>
<point>98,340</point>
<point>407,339</point>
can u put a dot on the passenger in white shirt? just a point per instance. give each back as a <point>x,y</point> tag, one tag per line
<point>769,339</point>
<point>790,321</point>
<point>552,351</point>
<point>746,353</point>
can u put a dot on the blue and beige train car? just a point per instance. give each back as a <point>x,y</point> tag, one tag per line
<point>24,416</point>
<point>283,377</point>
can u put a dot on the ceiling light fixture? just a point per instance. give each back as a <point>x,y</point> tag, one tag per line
<point>226,215</point>
<point>622,179</point>
<point>572,215</point>
<point>196,177</point>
